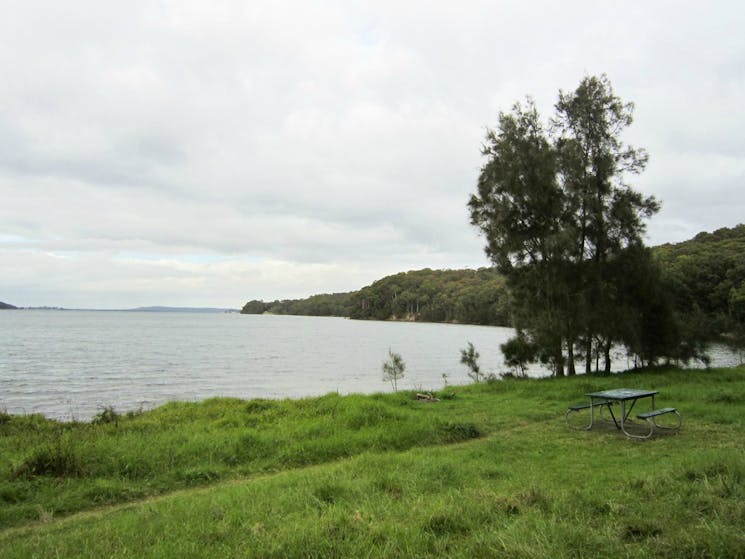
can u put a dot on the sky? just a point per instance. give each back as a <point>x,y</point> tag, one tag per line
<point>194,153</point>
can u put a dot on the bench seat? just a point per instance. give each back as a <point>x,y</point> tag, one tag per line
<point>586,405</point>
<point>655,413</point>
<point>651,418</point>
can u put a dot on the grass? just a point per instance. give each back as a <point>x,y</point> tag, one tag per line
<point>492,472</point>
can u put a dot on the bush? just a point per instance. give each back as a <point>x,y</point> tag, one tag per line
<point>469,357</point>
<point>107,415</point>
<point>393,369</point>
<point>59,459</point>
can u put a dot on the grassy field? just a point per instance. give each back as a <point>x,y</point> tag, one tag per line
<point>491,470</point>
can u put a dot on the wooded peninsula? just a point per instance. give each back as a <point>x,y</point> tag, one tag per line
<point>704,278</point>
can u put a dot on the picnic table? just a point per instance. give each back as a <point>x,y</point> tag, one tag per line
<point>627,398</point>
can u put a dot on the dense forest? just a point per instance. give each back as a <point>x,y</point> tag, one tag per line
<point>328,304</point>
<point>464,296</point>
<point>704,277</point>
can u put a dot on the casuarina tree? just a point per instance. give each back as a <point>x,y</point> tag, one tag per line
<point>556,212</point>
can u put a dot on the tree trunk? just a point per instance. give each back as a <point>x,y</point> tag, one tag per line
<point>570,358</point>
<point>588,354</point>
<point>607,356</point>
<point>559,360</point>
<point>559,369</point>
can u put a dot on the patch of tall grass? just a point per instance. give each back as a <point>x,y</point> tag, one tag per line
<point>57,467</point>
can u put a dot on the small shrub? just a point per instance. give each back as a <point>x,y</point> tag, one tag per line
<point>393,369</point>
<point>518,352</point>
<point>469,357</point>
<point>105,416</point>
<point>444,380</point>
<point>55,460</point>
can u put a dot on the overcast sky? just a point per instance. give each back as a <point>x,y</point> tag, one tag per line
<point>200,153</point>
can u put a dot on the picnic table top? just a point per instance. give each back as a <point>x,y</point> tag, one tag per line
<point>622,394</point>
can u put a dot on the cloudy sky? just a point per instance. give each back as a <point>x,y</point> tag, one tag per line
<point>200,153</point>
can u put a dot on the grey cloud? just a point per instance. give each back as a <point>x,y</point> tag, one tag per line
<point>333,142</point>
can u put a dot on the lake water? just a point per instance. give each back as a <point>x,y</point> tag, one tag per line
<point>70,364</point>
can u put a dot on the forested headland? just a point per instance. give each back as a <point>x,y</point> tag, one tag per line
<point>460,296</point>
<point>704,278</point>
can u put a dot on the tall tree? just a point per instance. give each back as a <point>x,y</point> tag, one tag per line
<point>519,208</point>
<point>605,215</point>
<point>556,213</point>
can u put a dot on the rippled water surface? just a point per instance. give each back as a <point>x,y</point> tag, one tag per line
<point>70,364</point>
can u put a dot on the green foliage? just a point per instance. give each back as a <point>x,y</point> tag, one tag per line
<point>63,467</point>
<point>255,307</point>
<point>461,296</point>
<point>59,458</point>
<point>330,304</point>
<point>469,357</point>
<point>393,369</point>
<point>705,277</point>
<point>557,213</point>
<point>107,415</point>
<point>518,352</point>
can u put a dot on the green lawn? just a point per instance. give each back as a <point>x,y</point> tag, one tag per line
<point>491,470</point>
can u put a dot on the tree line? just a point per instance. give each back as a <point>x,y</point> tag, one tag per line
<point>702,283</point>
<point>705,280</point>
<point>461,296</point>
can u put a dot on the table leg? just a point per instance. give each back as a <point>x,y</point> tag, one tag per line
<point>592,413</point>
<point>623,419</point>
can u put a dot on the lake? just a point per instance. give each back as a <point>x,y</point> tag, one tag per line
<point>71,364</point>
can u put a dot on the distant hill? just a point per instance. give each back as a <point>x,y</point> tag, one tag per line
<point>183,309</point>
<point>6,306</point>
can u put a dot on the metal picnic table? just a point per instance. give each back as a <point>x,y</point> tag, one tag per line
<point>624,396</point>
